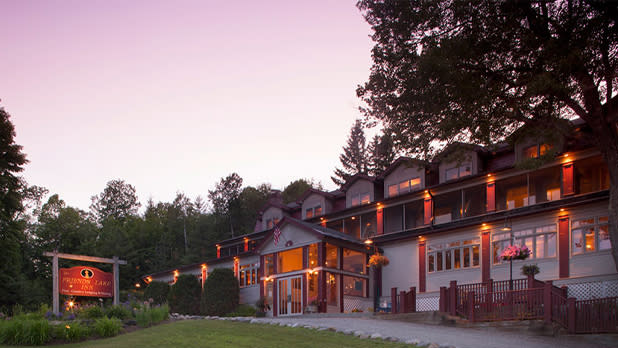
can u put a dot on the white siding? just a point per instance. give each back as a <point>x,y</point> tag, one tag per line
<point>469,156</point>
<point>314,200</point>
<point>402,271</point>
<point>405,171</point>
<point>271,213</point>
<point>290,233</point>
<point>359,187</point>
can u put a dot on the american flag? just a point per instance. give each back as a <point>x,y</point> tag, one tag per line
<point>277,234</point>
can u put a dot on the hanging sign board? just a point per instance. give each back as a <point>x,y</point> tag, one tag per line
<point>86,281</point>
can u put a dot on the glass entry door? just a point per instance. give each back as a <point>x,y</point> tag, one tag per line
<point>290,295</point>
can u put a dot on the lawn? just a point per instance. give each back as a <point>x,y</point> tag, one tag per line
<point>220,334</point>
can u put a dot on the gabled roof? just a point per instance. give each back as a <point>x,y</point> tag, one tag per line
<point>355,178</point>
<point>319,231</point>
<point>401,160</point>
<point>457,146</point>
<point>311,191</point>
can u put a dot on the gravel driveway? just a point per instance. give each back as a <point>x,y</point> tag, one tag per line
<point>448,336</point>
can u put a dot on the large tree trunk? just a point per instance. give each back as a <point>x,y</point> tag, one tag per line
<point>612,162</point>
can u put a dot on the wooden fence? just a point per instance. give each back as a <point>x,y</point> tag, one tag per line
<point>404,301</point>
<point>529,299</point>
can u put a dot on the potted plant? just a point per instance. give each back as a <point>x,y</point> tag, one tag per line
<point>262,307</point>
<point>312,307</point>
<point>514,252</point>
<point>530,270</point>
<point>378,260</point>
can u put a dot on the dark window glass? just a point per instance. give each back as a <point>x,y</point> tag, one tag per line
<point>393,219</point>
<point>368,225</point>
<point>447,207</point>
<point>335,225</point>
<point>512,193</point>
<point>475,200</point>
<point>544,185</point>
<point>351,226</point>
<point>414,214</point>
<point>591,175</point>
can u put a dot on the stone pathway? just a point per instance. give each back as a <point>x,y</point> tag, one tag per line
<point>436,336</point>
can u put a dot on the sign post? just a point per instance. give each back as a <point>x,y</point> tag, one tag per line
<point>93,282</point>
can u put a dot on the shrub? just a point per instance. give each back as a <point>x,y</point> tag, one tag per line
<point>184,296</point>
<point>143,318</point>
<point>19,331</point>
<point>157,291</point>
<point>91,312</point>
<point>221,293</point>
<point>107,327</point>
<point>159,313</point>
<point>530,270</point>
<point>119,312</point>
<point>243,310</point>
<point>71,331</point>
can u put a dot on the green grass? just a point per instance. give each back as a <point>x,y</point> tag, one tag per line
<point>220,334</point>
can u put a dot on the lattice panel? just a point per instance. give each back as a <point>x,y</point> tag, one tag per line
<point>592,290</point>
<point>359,303</point>
<point>427,304</point>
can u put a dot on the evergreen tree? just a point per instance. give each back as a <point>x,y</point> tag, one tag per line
<point>354,157</point>
<point>11,231</point>
<point>381,153</point>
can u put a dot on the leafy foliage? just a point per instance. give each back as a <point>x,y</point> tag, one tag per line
<point>118,311</point>
<point>295,189</point>
<point>184,295</point>
<point>107,327</point>
<point>118,201</point>
<point>24,331</point>
<point>157,291</point>
<point>221,293</point>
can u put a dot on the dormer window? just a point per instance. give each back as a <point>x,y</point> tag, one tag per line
<point>458,172</point>
<point>270,223</point>
<point>536,151</point>
<point>311,212</point>
<point>404,187</point>
<point>361,198</point>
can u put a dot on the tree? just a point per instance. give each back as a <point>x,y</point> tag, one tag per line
<point>251,200</point>
<point>354,157</point>
<point>184,295</point>
<point>296,188</point>
<point>446,71</point>
<point>381,153</point>
<point>221,293</point>
<point>12,160</point>
<point>118,200</point>
<point>224,198</point>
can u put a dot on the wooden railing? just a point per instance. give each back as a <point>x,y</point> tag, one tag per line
<point>404,301</point>
<point>529,299</point>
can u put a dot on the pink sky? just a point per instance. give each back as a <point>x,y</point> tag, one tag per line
<point>173,95</point>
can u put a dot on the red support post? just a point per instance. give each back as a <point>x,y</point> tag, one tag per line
<point>489,293</point>
<point>380,221</point>
<point>394,300</point>
<point>491,196</point>
<point>413,299</point>
<point>422,270</point>
<point>547,305</point>
<point>404,301</point>
<point>470,308</point>
<point>567,179</point>
<point>486,256</point>
<point>571,315</point>
<point>563,247</point>
<point>443,299</point>
<point>453,297</point>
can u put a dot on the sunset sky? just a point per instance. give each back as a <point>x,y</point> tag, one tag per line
<point>170,96</point>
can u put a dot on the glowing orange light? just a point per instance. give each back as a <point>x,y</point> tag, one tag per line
<point>176,273</point>
<point>353,217</point>
<point>71,304</point>
<point>204,266</point>
<point>137,285</point>
<point>67,326</point>
<point>368,242</point>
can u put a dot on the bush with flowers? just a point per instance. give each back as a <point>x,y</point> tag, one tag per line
<point>515,252</point>
<point>378,260</point>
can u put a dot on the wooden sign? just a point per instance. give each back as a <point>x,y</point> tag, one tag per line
<point>86,281</point>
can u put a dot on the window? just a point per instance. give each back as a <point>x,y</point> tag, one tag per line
<point>590,235</point>
<point>447,207</point>
<point>270,223</point>
<point>369,223</point>
<point>453,255</point>
<point>361,198</point>
<point>332,256</point>
<point>354,261</point>
<point>474,200</point>
<point>536,151</point>
<point>405,186</point>
<point>541,241</point>
<point>544,185</point>
<point>413,214</point>
<point>353,286</point>
<point>512,192</point>
<point>591,175</point>
<point>290,260</point>
<point>248,275</point>
<point>351,226</point>
<point>393,219</point>
<point>269,265</point>
<point>313,256</point>
<point>458,172</point>
<point>311,212</point>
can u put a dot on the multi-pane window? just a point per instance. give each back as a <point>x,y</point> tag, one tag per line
<point>354,286</point>
<point>361,198</point>
<point>464,169</point>
<point>590,235</point>
<point>247,275</point>
<point>315,211</point>
<point>542,241</point>
<point>270,223</point>
<point>536,151</point>
<point>453,255</point>
<point>405,186</point>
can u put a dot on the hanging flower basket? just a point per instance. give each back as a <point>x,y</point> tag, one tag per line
<point>378,260</point>
<point>514,252</point>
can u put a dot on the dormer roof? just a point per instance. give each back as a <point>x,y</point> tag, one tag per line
<point>401,160</point>
<point>355,178</point>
